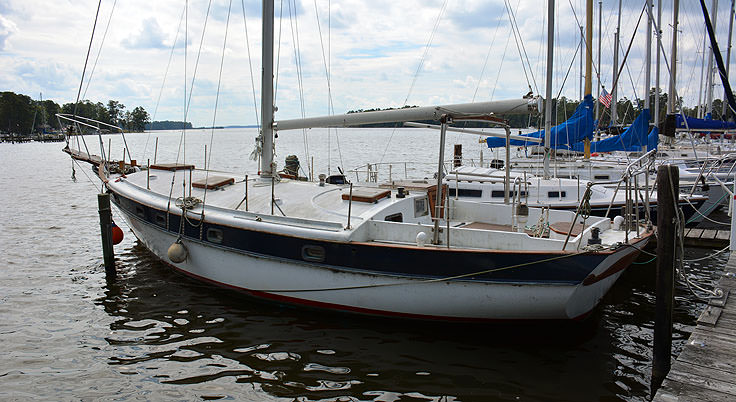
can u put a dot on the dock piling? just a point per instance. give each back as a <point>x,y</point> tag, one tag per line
<point>103,203</point>
<point>667,180</point>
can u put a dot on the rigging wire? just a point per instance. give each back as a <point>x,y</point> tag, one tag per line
<point>99,52</point>
<point>330,105</point>
<point>250,65</point>
<point>294,24</point>
<point>587,49</point>
<point>84,71</point>
<point>419,69</point>
<point>519,48</point>
<point>214,120</point>
<point>278,52</point>
<point>163,83</point>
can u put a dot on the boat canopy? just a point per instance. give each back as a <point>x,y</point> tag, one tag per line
<point>653,139</point>
<point>575,129</point>
<point>632,139</point>
<point>703,124</point>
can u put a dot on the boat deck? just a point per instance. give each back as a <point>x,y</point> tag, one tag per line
<point>298,199</point>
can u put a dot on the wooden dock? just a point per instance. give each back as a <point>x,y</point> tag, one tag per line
<point>705,370</point>
<point>710,238</point>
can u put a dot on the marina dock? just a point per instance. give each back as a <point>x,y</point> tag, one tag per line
<point>709,238</point>
<point>705,370</point>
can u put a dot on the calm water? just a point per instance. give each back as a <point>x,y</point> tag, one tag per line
<point>68,334</point>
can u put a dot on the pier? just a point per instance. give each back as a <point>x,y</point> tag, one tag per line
<point>709,238</point>
<point>705,370</point>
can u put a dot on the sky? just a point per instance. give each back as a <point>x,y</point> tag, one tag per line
<point>377,54</point>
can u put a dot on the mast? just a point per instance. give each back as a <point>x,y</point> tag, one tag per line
<point>702,71</point>
<point>728,56</point>
<point>582,52</point>
<point>673,64</point>
<point>648,66</point>
<point>600,29</point>
<point>588,60</point>
<point>659,45</point>
<point>548,84</point>
<point>648,73</point>
<point>614,90</point>
<point>709,87</point>
<point>719,59</point>
<point>267,91</point>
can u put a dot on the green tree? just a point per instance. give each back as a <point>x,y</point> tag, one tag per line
<point>16,113</point>
<point>116,112</point>
<point>49,111</point>
<point>137,119</point>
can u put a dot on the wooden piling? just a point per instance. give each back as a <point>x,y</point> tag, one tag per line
<point>667,190</point>
<point>103,203</point>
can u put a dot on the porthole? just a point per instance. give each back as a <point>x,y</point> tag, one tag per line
<point>140,211</point>
<point>313,253</point>
<point>397,217</point>
<point>215,235</point>
<point>160,219</point>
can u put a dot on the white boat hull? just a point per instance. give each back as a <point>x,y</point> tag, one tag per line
<point>325,287</point>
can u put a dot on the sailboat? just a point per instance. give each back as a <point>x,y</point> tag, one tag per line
<point>400,251</point>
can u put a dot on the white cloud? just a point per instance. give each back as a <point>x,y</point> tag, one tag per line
<point>373,50</point>
<point>7,28</point>
<point>151,36</point>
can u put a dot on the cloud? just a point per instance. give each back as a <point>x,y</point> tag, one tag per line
<point>151,36</point>
<point>7,28</point>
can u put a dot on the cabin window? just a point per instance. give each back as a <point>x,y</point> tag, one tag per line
<point>397,217</point>
<point>313,253</point>
<point>160,219</point>
<point>602,177</point>
<point>556,194</point>
<point>139,211</point>
<point>466,192</point>
<point>499,194</point>
<point>420,207</point>
<point>214,235</point>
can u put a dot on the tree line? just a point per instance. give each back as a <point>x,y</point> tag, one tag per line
<point>22,115</point>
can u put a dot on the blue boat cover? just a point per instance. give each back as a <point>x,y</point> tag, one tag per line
<point>632,139</point>
<point>578,126</point>
<point>704,124</point>
<point>653,139</point>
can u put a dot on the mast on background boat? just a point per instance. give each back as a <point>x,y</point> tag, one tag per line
<point>267,107</point>
<point>659,44</point>
<point>709,71</point>
<point>648,73</point>
<point>548,84</point>
<point>701,87</point>
<point>614,90</point>
<point>588,61</point>
<point>673,64</point>
<point>728,57</point>
<point>598,93</point>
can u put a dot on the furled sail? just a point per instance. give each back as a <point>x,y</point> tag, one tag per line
<point>703,124</point>
<point>653,139</point>
<point>632,139</point>
<point>575,129</point>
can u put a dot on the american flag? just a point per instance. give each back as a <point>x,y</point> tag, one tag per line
<point>605,98</point>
